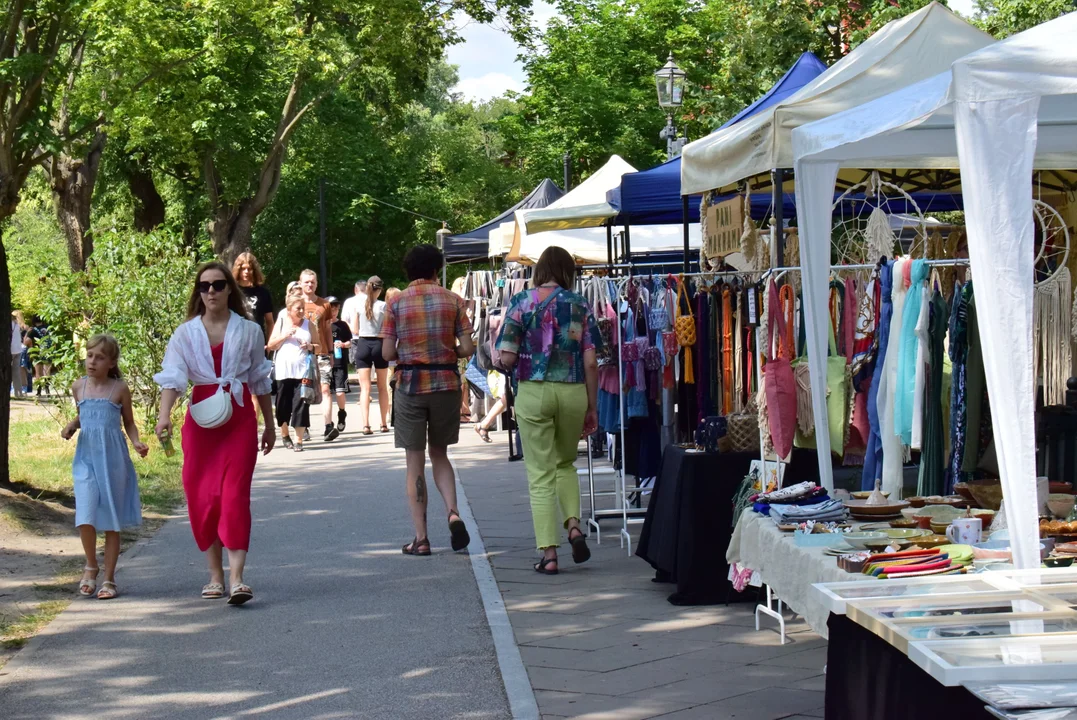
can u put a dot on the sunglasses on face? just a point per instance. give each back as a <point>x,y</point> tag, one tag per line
<point>217,285</point>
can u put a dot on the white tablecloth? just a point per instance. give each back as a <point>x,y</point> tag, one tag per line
<point>790,571</point>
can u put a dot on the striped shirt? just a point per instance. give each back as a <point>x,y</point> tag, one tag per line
<point>425,320</point>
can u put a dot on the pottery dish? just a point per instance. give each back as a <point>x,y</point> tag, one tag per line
<point>857,539</point>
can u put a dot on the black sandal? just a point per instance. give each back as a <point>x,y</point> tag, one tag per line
<point>367,430</point>
<point>540,567</point>
<point>385,428</point>
<point>580,552</point>
<point>416,547</point>
<point>287,440</point>
<point>458,531</point>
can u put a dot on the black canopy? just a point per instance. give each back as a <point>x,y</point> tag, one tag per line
<point>476,244</point>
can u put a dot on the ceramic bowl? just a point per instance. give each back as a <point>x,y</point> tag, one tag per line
<point>910,513</point>
<point>986,516</point>
<point>998,549</point>
<point>916,501</point>
<point>903,523</point>
<point>931,541</point>
<point>1055,562</point>
<point>963,490</point>
<point>939,512</point>
<point>865,494</point>
<point>1057,486</point>
<point>1060,504</point>
<point>905,533</point>
<point>939,528</point>
<point>857,539</point>
<point>882,545</point>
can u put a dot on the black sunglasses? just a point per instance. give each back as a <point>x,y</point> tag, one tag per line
<point>218,285</point>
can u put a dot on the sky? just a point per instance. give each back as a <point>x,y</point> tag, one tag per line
<point>487,57</point>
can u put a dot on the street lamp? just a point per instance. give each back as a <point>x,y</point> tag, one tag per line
<point>669,82</point>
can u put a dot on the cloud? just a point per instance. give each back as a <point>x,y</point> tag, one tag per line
<point>485,87</point>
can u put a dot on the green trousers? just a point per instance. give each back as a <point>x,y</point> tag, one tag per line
<point>550,416</point>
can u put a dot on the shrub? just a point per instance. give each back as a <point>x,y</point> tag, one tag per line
<point>135,288</point>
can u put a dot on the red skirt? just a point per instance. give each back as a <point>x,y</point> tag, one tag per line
<point>218,466</point>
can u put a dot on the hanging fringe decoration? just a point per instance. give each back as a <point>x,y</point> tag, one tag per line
<point>749,240</point>
<point>879,237</point>
<point>792,259</point>
<point>1073,318</point>
<point>949,273</point>
<point>805,413</point>
<point>1052,332</point>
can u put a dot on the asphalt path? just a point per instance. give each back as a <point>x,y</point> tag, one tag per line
<point>342,625</point>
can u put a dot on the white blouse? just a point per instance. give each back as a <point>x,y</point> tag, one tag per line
<point>189,359</point>
<point>290,360</point>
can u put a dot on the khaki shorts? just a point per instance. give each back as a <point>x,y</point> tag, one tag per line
<point>436,415</point>
<point>325,369</point>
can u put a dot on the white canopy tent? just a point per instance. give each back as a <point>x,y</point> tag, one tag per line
<point>573,221</point>
<point>1000,113</point>
<point>905,51</point>
<point>583,206</point>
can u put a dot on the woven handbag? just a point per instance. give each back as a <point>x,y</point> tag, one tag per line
<point>658,315</point>
<point>742,428</point>
<point>685,327</point>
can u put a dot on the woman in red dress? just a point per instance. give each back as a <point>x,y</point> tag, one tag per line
<point>222,353</point>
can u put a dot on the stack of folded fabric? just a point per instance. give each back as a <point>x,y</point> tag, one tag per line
<point>946,560</point>
<point>799,503</point>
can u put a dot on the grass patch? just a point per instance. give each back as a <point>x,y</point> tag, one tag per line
<point>41,466</point>
<point>14,633</point>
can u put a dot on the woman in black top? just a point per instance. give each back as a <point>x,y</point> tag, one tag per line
<point>248,274</point>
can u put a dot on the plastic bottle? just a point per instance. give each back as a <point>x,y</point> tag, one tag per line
<point>166,444</point>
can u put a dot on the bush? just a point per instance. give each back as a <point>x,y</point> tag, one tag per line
<point>136,288</point>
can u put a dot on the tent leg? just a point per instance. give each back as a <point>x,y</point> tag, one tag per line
<point>628,245</point>
<point>609,247</point>
<point>684,218</point>
<point>777,222</point>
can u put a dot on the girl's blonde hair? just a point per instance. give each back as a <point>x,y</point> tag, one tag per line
<point>112,350</point>
<point>391,294</point>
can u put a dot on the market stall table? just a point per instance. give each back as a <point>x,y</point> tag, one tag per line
<point>789,570</point>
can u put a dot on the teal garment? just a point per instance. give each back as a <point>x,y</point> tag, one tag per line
<point>906,371</point>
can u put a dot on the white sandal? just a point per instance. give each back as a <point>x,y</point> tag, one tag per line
<point>241,593</point>
<point>108,591</point>
<point>90,584</point>
<point>212,591</point>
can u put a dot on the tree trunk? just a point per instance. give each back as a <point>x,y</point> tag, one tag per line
<point>231,231</point>
<point>73,181</point>
<point>5,359</point>
<point>149,205</point>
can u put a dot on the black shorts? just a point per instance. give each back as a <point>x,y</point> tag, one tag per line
<point>338,381</point>
<point>368,354</point>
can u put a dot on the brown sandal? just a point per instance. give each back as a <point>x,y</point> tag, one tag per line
<point>540,567</point>
<point>417,547</point>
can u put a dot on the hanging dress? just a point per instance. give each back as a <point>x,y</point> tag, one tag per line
<point>932,456</point>
<point>873,459</point>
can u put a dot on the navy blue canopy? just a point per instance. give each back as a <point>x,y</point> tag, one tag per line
<point>476,243</point>
<point>653,197</point>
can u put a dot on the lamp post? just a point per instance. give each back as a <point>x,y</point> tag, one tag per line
<point>669,82</point>
<point>442,233</point>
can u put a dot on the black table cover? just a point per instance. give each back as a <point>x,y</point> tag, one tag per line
<point>689,520</point>
<point>867,677</point>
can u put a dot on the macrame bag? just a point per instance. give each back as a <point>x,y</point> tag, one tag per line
<point>742,428</point>
<point>685,327</point>
<point>838,381</point>
<point>779,382</point>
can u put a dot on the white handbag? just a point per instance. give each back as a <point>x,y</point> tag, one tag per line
<point>214,411</point>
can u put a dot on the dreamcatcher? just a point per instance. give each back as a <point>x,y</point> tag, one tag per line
<point>862,231</point>
<point>1052,303</point>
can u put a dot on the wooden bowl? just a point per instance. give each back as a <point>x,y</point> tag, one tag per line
<point>986,516</point>
<point>861,507</point>
<point>916,501</point>
<point>987,493</point>
<point>865,494</point>
<point>963,490</point>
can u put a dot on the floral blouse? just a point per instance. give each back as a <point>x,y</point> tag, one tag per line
<point>550,348</point>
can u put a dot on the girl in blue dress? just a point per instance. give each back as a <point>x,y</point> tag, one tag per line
<point>106,487</point>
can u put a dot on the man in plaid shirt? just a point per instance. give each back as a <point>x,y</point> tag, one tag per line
<point>426,330</point>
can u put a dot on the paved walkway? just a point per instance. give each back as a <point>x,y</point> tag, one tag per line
<point>599,640</point>
<point>344,626</point>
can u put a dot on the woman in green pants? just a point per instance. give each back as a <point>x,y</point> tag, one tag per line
<point>550,336</point>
